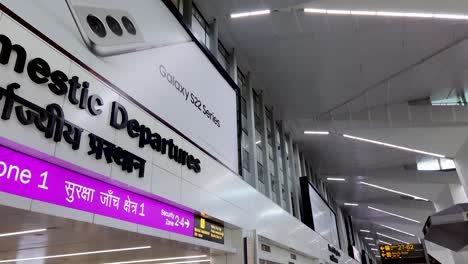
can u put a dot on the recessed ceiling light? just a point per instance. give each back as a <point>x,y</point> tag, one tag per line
<point>371,244</point>
<point>374,249</point>
<point>23,232</point>
<point>398,230</point>
<point>383,242</point>
<point>252,13</point>
<point>365,231</point>
<point>396,239</point>
<point>393,146</point>
<point>76,254</point>
<point>160,259</point>
<point>316,132</point>
<point>394,191</point>
<point>368,238</point>
<point>397,215</point>
<point>351,204</point>
<point>336,179</point>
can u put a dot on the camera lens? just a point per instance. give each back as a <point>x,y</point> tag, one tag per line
<point>128,25</point>
<point>114,25</point>
<point>96,26</point>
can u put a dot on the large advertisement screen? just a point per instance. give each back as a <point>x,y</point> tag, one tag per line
<point>324,218</point>
<point>140,49</point>
<point>317,214</point>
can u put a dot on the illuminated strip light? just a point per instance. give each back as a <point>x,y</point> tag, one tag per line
<point>398,230</point>
<point>394,191</point>
<point>368,238</point>
<point>23,232</point>
<point>336,179</point>
<point>365,231</point>
<point>384,13</point>
<point>383,242</point>
<point>351,204</point>
<point>396,239</point>
<point>374,249</point>
<point>76,254</point>
<point>393,146</point>
<point>371,244</point>
<point>253,13</point>
<point>316,132</point>
<point>161,259</point>
<point>399,216</point>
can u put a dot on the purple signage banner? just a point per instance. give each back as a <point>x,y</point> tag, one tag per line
<point>33,178</point>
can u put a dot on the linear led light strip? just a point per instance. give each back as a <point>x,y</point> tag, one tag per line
<point>163,259</point>
<point>396,239</point>
<point>23,232</point>
<point>385,13</point>
<point>383,242</point>
<point>394,191</point>
<point>393,146</point>
<point>76,254</point>
<point>400,216</point>
<point>252,13</point>
<point>316,132</point>
<point>398,230</point>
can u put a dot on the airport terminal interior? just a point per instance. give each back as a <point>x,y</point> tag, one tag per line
<point>234,131</point>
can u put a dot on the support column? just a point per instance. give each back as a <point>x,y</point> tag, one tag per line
<point>251,130</point>
<point>274,131</point>
<point>214,35</point>
<point>266,160</point>
<point>286,172</point>
<point>233,65</point>
<point>187,12</point>
<point>461,163</point>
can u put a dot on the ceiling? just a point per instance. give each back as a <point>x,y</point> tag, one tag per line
<point>64,236</point>
<point>355,75</point>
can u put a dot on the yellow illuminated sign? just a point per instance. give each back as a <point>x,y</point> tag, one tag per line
<point>401,251</point>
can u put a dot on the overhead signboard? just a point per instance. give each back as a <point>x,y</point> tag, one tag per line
<point>208,230</point>
<point>402,253</point>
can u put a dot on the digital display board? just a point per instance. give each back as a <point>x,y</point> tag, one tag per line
<point>208,230</point>
<point>401,252</point>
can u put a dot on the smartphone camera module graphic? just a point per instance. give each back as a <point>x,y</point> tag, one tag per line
<point>107,32</point>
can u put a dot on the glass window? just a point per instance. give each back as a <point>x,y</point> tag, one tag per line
<point>261,177</point>
<point>200,27</point>
<point>245,160</point>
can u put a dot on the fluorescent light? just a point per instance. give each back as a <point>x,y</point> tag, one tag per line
<point>351,204</point>
<point>385,13</point>
<point>371,244</point>
<point>338,12</point>
<point>314,10</point>
<point>390,14</point>
<point>316,132</point>
<point>252,13</point>
<point>161,259</point>
<point>398,230</point>
<point>336,179</point>
<point>365,231</point>
<point>368,238</point>
<point>449,16</point>
<point>396,239</point>
<point>393,146</point>
<point>363,13</point>
<point>23,232</point>
<point>419,15</point>
<point>394,191</point>
<point>385,212</point>
<point>374,249</point>
<point>76,254</point>
<point>258,142</point>
<point>383,242</point>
